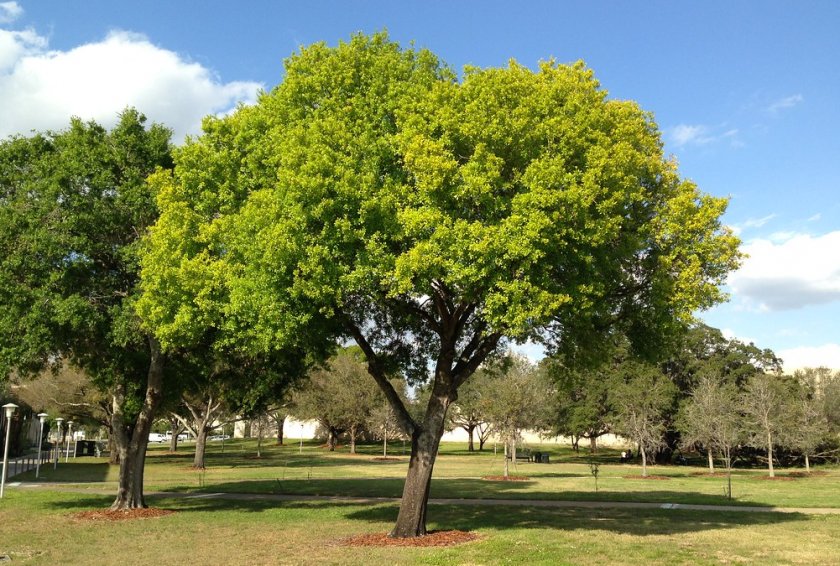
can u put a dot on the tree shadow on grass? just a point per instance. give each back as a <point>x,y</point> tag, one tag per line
<point>457,488</point>
<point>638,522</point>
<point>488,517</point>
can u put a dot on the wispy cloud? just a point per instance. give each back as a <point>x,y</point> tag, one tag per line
<point>701,134</point>
<point>9,12</point>
<point>815,217</point>
<point>785,103</point>
<point>759,222</point>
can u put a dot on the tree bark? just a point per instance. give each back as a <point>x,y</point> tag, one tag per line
<point>411,521</point>
<point>352,439</point>
<point>711,461</point>
<point>770,455</point>
<point>807,464</point>
<point>644,463</point>
<point>281,420</point>
<point>132,438</point>
<point>593,444</point>
<point>200,447</point>
<point>470,429</point>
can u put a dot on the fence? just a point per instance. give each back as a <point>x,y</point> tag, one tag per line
<point>28,462</point>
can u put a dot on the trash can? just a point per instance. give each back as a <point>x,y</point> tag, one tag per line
<point>85,448</point>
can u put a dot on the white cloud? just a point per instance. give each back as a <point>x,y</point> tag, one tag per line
<point>9,12</point>
<point>815,217</point>
<point>699,134</point>
<point>729,334</point>
<point>785,103</point>
<point>827,355</point>
<point>789,271</point>
<point>42,89</point>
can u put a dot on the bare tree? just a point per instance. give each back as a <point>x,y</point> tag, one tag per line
<point>712,417</point>
<point>766,404</point>
<point>640,404</point>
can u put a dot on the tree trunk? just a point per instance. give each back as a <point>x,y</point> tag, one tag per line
<point>575,441</point>
<point>470,429</point>
<point>175,429</point>
<point>770,455</point>
<point>113,453</point>
<point>644,463</point>
<point>352,439</point>
<point>259,436</point>
<point>332,439</point>
<point>385,442</point>
<point>411,521</point>
<point>711,461</point>
<point>132,438</point>
<point>593,444</point>
<point>281,420</point>
<point>807,464</point>
<point>507,459</point>
<point>200,447</point>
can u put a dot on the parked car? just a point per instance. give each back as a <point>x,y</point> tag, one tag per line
<point>157,437</point>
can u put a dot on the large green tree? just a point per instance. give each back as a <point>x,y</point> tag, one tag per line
<point>73,205</point>
<point>376,196</point>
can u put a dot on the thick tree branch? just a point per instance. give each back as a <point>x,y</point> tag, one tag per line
<point>376,371</point>
<point>464,369</point>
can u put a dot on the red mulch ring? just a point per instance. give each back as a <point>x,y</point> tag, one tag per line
<point>386,459</point>
<point>433,538</point>
<point>503,478</point>
<point>708,474</point>
<point>120,515</point>
<point>775,478</point>
<point>649,477</point>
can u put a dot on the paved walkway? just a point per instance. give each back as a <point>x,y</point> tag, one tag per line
<point>552,503</point>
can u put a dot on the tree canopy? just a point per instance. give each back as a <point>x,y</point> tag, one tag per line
<point>373,195</point>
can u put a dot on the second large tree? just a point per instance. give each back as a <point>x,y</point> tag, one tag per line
<point>373,195</point>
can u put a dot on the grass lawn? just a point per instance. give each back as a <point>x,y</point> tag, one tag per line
<point>37,527</point>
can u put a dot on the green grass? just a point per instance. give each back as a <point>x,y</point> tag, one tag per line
<point>36,525</point>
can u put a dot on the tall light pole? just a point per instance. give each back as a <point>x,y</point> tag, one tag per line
<point>9,408</point>
<point>69,436</point>
<point>58,422</point>
<point>42,417</point>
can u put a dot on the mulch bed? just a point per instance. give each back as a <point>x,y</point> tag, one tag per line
<point>433,538</point>
<point>386,459</point>
<point>649,477</point>
<point>807,475</point>
<point>776,478</point>
<point>120,515</point>
<point>503,478</point>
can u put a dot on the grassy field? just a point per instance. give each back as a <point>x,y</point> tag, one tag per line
<point>37,526</point>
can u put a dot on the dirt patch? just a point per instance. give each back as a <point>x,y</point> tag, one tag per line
<point>434,538</point>
<point>807,475</point>
<point>649,477</point>
<point>776,478</point>
<point>120,515</point>
<point>503,478</point>
<point>705,474</point>
<point>386,459</point>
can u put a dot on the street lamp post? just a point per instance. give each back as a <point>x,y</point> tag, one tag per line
<point>42,417</point>
<point>9,408</point>
<point>58,422</point>
<point>69,436</point>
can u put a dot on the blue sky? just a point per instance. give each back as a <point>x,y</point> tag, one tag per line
<point>745,93</point>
